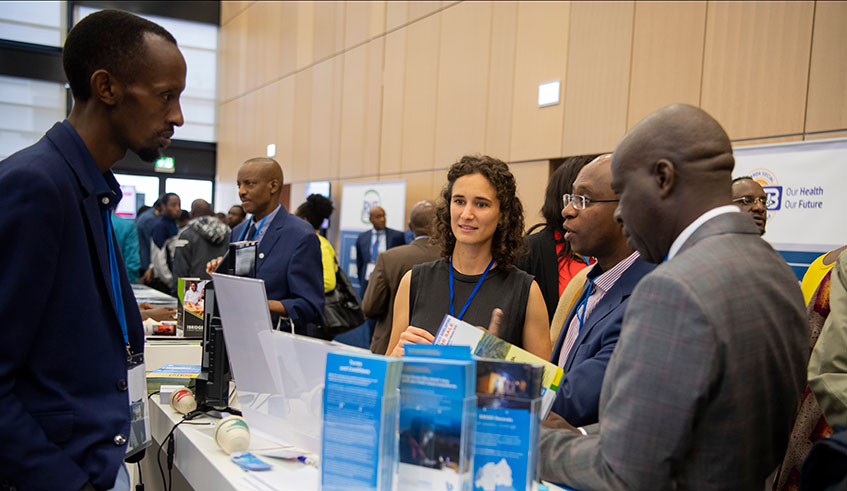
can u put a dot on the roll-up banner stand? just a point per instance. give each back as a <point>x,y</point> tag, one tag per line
<point>357,199</point>
<point>806,184</point>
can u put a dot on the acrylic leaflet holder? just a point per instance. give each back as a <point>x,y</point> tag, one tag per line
<point>360,404</point>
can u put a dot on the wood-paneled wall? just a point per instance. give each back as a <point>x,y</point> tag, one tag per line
<point>381,90</point>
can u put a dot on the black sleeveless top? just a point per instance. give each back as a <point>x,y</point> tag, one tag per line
<point>508,290</point>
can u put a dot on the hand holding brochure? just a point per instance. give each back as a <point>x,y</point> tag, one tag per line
<point>458,333</point>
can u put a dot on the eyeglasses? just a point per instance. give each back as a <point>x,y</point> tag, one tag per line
<point>580,202</point>
<point>749,200</point>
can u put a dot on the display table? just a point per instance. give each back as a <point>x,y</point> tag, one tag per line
<point>200,464</point>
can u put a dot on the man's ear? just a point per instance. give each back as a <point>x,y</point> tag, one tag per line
<point>105,87</point>
<point>664,173</point>
<point>274,183</point>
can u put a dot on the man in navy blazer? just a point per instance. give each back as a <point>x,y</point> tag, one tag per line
<point>592,326</point>
<point>386,239</point>
<point>289,255</point>
<point>64,295</point>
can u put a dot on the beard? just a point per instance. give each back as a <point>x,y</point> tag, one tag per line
<point>149,154</point>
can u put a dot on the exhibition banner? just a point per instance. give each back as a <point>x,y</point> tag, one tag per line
<point>357,199</point>
<point>804,182</point>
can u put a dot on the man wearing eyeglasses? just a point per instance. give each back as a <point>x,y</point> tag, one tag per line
<point>590,328</point>
<point>749,195</point>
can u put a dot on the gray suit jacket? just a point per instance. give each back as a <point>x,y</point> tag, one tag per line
<point>391,265</point>
<point>701,390</point>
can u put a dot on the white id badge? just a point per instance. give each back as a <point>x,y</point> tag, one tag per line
<point>369,271</point>
<point>139,412</point>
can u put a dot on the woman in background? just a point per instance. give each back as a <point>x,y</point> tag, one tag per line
<point>479,225</point>
<point>315,210</point>
<point>549,257</point>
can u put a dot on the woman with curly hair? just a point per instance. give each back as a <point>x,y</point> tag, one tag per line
<point>479,225</point>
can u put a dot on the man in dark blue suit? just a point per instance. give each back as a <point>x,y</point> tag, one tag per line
<point>368,245</point>
<point>591,327</point>
<point>289,255</point>
<point>69,317</point>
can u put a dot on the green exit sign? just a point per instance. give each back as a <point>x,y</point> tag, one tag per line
<point>165,164</point>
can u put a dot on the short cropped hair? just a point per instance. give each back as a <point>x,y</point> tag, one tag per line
<point>111,40</point>
<point>507,241</point>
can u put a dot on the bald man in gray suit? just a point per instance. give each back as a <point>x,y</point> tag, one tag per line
<point>702,388</point>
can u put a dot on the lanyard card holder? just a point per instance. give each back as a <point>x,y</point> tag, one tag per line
<point>139,411</point>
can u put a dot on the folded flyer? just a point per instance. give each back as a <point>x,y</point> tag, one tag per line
<point>458,333</point>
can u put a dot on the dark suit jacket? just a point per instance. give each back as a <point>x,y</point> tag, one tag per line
<point>390,267</point>
<point>393,238</point>
<point>702,388</point>
<point>579,393</point>
<point>289,262</point>
<point>63,362</point>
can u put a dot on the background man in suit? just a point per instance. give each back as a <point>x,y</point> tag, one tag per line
<point>391,265</point>
<point>702,388</point>
<point>592,325</point>
<point>63,389</point>
<point>368,246</point>
<point>749,195</point>
<point>289,256</point>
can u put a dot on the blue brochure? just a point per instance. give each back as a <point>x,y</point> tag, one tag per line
<point>437,416</point>
<point>359,443</point>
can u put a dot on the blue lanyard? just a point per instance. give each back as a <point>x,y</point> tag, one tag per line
<point>473,293</point>
<point>116,279</point>
<point>584,304</point>
<point>247,226</point>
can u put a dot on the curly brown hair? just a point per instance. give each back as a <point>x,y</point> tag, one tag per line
<point>507,241</point>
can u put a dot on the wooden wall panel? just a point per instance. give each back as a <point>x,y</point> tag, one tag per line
<point>324,132</point>
<point>354,101</point>
<point>420,94</point>
<point>227,139</point>
<point>254,51</point>
<point>756,65</point>
<point>667,56</point>
<point>501,80</point>
<point>531,179</point>
<point>541,56</point>
<point>827,104</point>
<point>284,138</point>
<point>393,76</point>
<point>329,29</point>
<point>363,21</point>
<point>230,9</point>
<point>360,110</point>
<point>282,55</point>
<point>302,125</point>
<point>305,34</point>
<point>597,87</point>
<point>462,82</point>
<point>267,121</point>
<point>399,13</point>
<point>269,49</point>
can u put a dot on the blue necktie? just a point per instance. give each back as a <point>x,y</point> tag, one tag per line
<point>375,250</point>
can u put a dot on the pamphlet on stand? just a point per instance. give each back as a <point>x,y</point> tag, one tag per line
<point>437,417</point>
<point>508,402</point>
<point>190,307</point>
<point>360,404</point>
<point>458,333</point>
